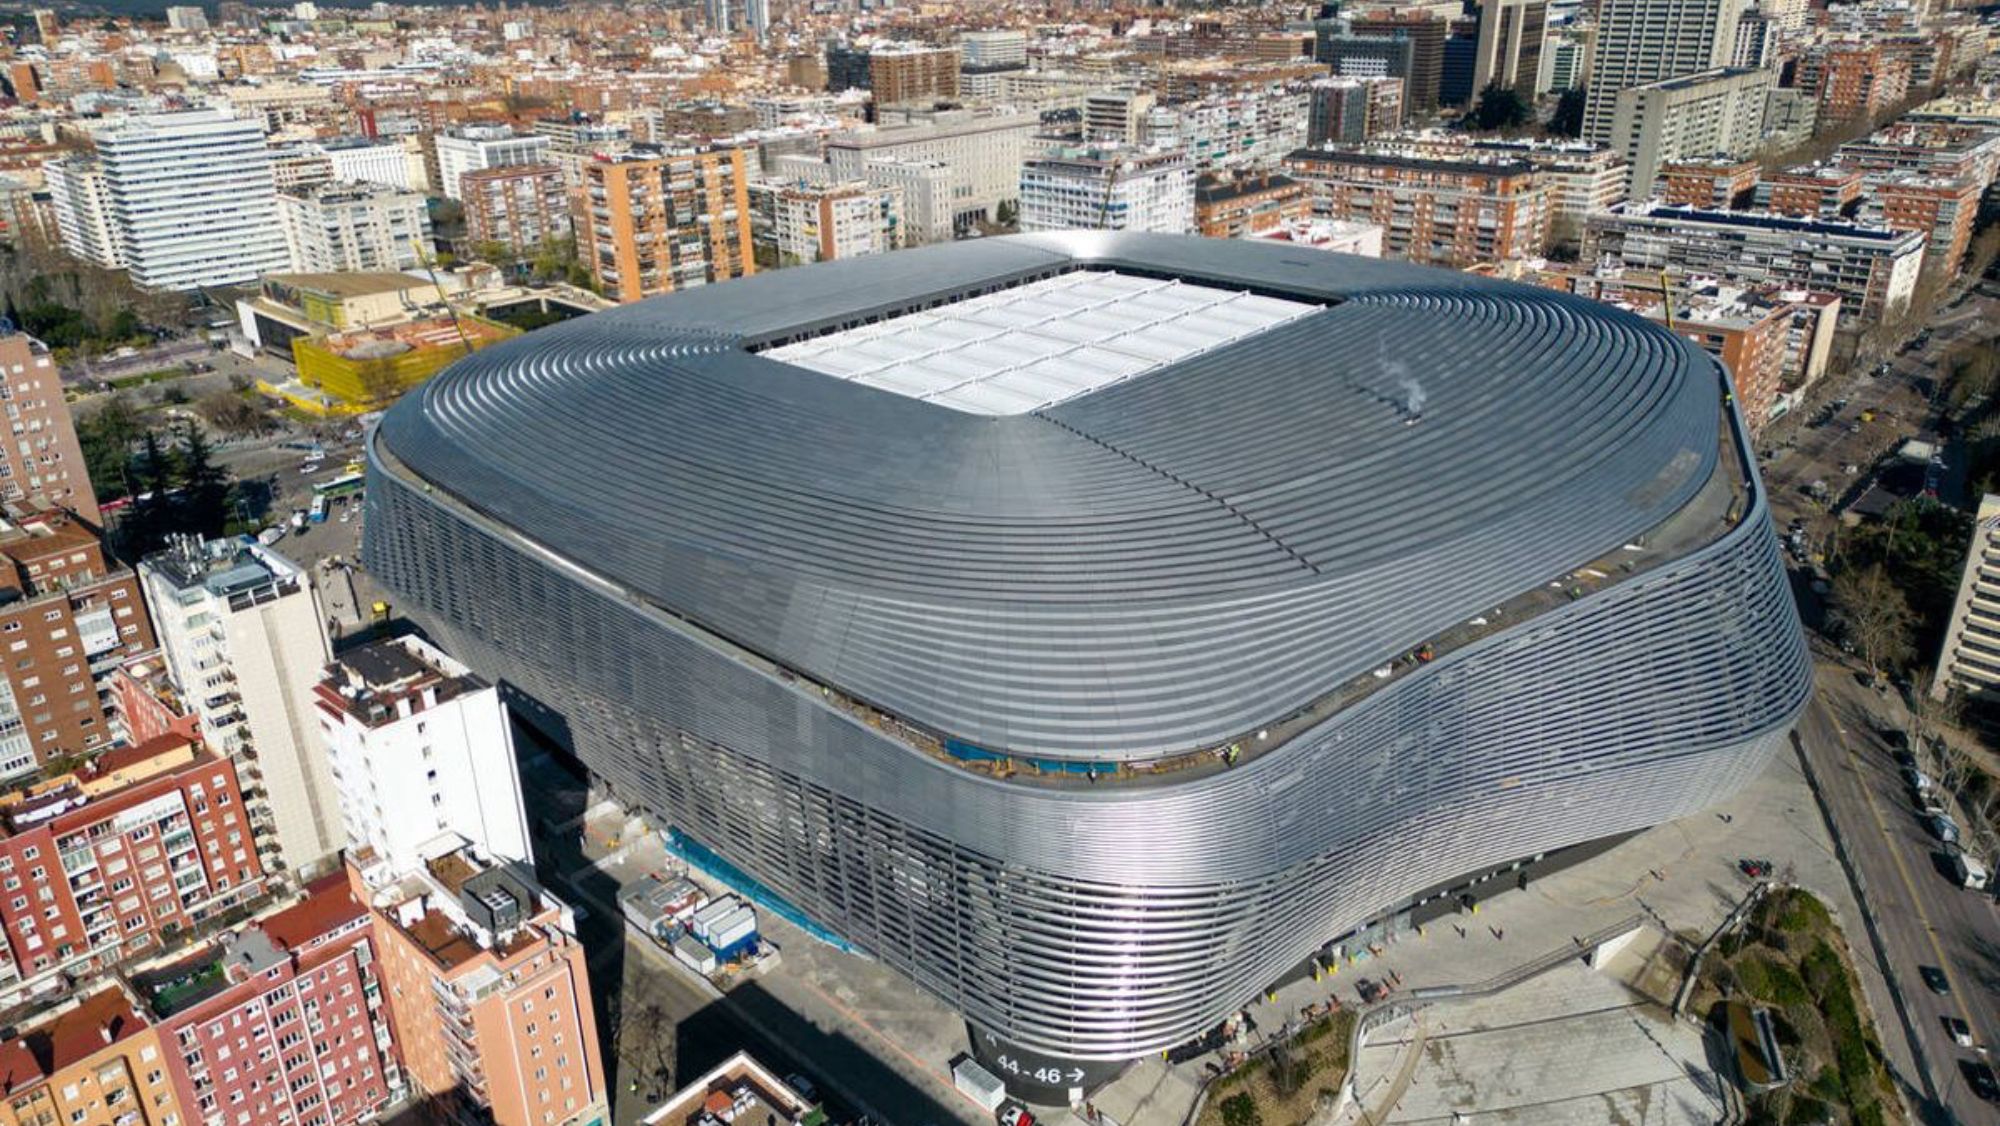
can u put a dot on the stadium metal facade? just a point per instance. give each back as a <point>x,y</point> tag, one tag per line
<point>1093,626</point>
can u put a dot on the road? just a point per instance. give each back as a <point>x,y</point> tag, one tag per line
<point>1921,917</point>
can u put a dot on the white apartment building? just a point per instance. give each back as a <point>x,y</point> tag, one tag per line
<point>994,48</point>
<point>1642,41</point>
<point>243,636</point>
<point>1108,188</point>
<point>82,203</point>
<point>192,199</point>
<point>822,222</point>
<point>925,188</point>
<point>981,154</point>
<point>475,148</point>
<point>420,749</point>
<point>1717,113</point>
<point>360,160</point>
<point>186,17</point>
<point>1873,270</point>
<point>1970,661</point>
<point>334,228</point>
<point>1229,132</point>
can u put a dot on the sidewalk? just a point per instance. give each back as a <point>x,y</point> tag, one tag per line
<point>1682,876</point>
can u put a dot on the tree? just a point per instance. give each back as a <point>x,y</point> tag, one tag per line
<point>204,495</point>
<point>1501,107</point>
<point>107,438</point>
<point>1241,1110</point>
<point>1567,120</point>
<point>1875,615</point>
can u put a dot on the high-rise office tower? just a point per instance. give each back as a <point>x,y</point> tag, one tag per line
<point>1643,41</point>
<point>1509,47</point>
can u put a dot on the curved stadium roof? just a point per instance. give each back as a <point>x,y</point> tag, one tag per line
<point>1147,566</point>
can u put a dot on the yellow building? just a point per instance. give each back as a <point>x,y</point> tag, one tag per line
<point>98,1064</point>
<point>367,369</point>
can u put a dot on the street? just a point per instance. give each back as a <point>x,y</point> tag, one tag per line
<point>1920,917</point>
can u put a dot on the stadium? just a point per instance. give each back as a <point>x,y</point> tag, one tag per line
<point>1095,627</point>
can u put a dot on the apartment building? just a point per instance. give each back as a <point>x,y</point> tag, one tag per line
<point>282,1020</point>
<point>912,72</point>
<point>97,1062</point>
<point>1241,206</point>
<point>1646,42</point>
<point>336,228</point>
<point>1719,185</point>
<point>192,199</point>
<point>420,747</point>
<point>1873,270</point>
<point>81,198</point>
<point>1344,110</point>
<point>1854,81</point>
<point>1108,188</point>
<point>68,617</point>
<point>520,206</point>
<point>660,219</point>
<point>243,636</point>
<point>1716,113</point>
<point>1580,177</point>
<point>489,990</point>
<point>821,222</point>
<point>1251,129</point>
<point>42,465</point>
<point>1943,210</point>
<point>1746,334</point>
<point>370,161</point>
<point>1363,239</point>
<point>1970,659</point>
<point>982,156</point>
<point>1116,115</point>
<point>1931,148</point>
<point>111,861</point>
<point>1825,191</point>
<point>1433,210</point>
<point>1567,55</point>
<point>1005,47</point>
<point>475,148</point>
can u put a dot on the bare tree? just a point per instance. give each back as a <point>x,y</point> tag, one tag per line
<point>1932,717</point>
<point>1875,615</point>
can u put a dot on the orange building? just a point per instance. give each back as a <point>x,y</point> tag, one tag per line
<point>1856,81</point>
<point>1826,191</point>
<point>96,1064</point>
<point>903,72</point>
<point>657,220</point>
<point>43,465</point>
<point>1748,336</point>
<point>488,990</point>
<point>1434,211</point>
<point>1716,184</point>
<point>1942,209</point>
<point>1249,205</point>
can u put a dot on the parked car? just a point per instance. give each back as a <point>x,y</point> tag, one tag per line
<point>1935,980</point>
<point>1942,827</point>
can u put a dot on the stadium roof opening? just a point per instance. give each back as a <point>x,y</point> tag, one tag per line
<point>1035,345</point>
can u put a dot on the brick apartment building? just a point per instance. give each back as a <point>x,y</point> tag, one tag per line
<point>519,206</point>
<point>912,72</point>
<point>656,220</point>
<point>1249,205</point>
<point>67,617</point>
<point>1435,211</point>
<point>489,990</point>
<point>97,1062</point>
<point>282,1020</point>
<point>108,863</point>
<point>1825,191</point>
<point>1943,209</point>
<point>41,464</point>
<point>1855,81</point>
<point>1718,184</point>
